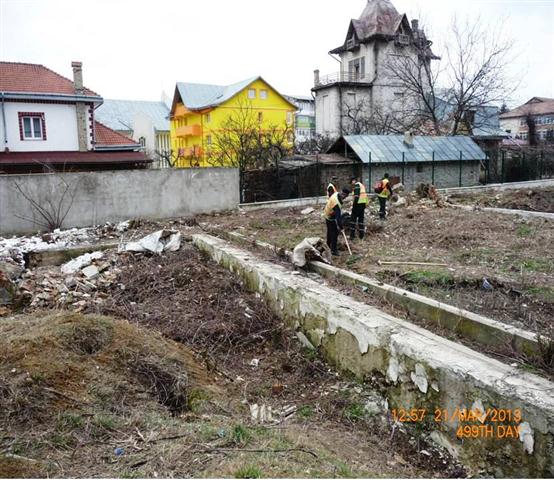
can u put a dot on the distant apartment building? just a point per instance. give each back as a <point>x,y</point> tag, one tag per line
<point>539,110</point>
<point>200,112</point>
<point>305,116</point>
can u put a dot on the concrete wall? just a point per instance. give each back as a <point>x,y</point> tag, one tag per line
<point>418,369</point>
<point>116,196</point>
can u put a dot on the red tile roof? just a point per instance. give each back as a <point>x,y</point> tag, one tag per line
<point>68,158</point>
<point>33,78</point>
<point>107,137</point>
<point>535,106</point>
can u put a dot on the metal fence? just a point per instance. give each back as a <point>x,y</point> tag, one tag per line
<point>523,164</point>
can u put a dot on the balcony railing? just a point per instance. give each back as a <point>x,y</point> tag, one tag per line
<point>339,77</point>
<point>189,131</point>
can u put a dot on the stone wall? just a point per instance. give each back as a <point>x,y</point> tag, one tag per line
<point>94,198</point>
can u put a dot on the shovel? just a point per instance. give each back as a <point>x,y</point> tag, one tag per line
<point>347,244</point>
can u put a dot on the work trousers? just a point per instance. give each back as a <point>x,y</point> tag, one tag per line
<point>332,235</point>
<point>382,207</point>
<point>358,217</point>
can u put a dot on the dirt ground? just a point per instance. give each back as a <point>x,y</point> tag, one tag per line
<point>513,255</point>
<point>531,200</point>
<point>160,380</point>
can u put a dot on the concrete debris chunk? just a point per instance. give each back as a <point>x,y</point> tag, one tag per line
<point>157,242</point>
<point>91,272</point>
<point>11,268</point>
<point>261,413</point>
<point>73,266</point>
<point>311,249</point>
<point>307,211</point>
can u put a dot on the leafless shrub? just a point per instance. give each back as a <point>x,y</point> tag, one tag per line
<point>49,209</point>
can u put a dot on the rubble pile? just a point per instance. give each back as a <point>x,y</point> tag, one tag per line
<point>80,284</point>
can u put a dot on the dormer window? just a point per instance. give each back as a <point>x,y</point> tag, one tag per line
<point>351,42</point>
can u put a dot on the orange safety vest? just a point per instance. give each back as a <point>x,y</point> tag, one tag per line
<point>364,199</point>
<point>332,187</point>
<point>333,201</point>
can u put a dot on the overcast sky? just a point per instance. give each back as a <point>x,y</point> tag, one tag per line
<point>134,49</point>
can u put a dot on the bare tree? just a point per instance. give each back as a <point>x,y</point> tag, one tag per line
<point>49,208</point>
<point>361,119</point>
<point>245,143</point>
<point>451,96</point>
<point>317,143</point>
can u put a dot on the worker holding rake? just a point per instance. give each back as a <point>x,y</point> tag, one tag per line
<point>333,218</point>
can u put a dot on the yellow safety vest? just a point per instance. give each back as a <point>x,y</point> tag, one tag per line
<point>364,199</point>
<point>385,193</point>
<point>330,207</point>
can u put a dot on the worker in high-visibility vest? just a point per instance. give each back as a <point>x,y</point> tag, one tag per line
<point>384,192</point>
<point>331,189</point>
<point>333,218</point>
<point>359,204</point>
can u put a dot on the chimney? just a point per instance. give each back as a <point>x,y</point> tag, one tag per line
<point>409,139</point>
<point>78,77</point>
<point>81,108</point>
<point>316,78</point>
<point>415,26</point>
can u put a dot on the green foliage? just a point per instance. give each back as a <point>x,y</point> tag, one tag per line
<point>524,230</point>
<point>355,412</point>
<point>343,470</point>
<point>248,471</point>
<point>305,412</point>
<point>240,435</point>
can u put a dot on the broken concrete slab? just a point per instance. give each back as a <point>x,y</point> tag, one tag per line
<point>507,211</point>
<point>59,256</point>
<point>420,370</point>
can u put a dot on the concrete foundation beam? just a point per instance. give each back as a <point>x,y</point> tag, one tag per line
<point>445,381</point>
<point>508,211</point>
<point>499,187</point>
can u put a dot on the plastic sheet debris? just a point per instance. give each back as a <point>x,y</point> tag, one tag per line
<point>157,242</point>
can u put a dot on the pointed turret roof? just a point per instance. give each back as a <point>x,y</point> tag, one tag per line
<point>378,18</point>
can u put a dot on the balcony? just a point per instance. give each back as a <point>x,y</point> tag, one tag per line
<point>190,152</point>
<point>189,131</point>
<point>342,77</point>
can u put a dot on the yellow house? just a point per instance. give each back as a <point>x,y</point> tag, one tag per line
<point>200,113</point>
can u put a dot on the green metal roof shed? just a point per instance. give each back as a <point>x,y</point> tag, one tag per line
<point>394,149</point>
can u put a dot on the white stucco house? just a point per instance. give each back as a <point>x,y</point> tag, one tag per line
<point>304,117</point>
<point>48,121</point>
<point>371,40</point>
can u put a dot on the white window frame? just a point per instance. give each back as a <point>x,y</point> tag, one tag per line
<point>289,118</point>
<point>33,137</point>
<point>209,140</point>
<point>263,94</point>
<point>252,93</point>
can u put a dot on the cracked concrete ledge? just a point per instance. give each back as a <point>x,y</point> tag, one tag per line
<point>480,329</point>
<point>484,330</point>
<point>506,211</point>
<point>421,370</point>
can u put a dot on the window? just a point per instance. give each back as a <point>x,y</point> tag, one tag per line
<point>208,117</point>
<point>251,93</point>
<point>209,140</point>
<point>142,142</point>
<point>32,126</point>
<point>260,117</point>
<point>398,95</point>
<point>263,94</point>
<point>356,69</point>
<point>289,118</point>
